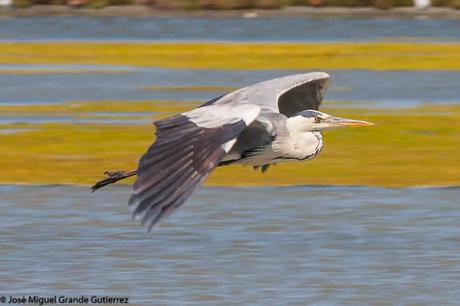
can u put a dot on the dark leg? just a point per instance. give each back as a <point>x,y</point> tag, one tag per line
<point>112,177</point>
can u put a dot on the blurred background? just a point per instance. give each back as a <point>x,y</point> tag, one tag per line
<point>372,220</point>
<point>235,4</point>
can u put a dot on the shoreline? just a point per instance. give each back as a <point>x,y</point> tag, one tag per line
<point>231,186</point>
<point>256,56</point>
<point>75,153</point>
<point>297,12</point>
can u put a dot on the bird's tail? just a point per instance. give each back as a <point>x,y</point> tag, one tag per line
<point>112,177</point>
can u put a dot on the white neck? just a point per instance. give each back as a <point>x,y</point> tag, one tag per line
<point>299,145</point>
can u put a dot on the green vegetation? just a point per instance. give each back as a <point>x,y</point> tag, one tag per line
<point>54,71</point>
<point>232,5</point>
<point>377,56</point>
<point>406,147</point>
<point>447,3</point>
<point>22,3</point>
<point>384,4</point>
<point>189,88</point>
<point>79,107</point>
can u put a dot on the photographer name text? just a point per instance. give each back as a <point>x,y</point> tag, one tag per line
<point>62,299</point>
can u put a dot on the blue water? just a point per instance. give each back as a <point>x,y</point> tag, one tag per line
<point>228,246</point>
<point>363,88</point>
<point>356,87</point>
<point>235,29</point>
<point>236,246</point>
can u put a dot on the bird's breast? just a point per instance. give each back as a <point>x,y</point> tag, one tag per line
<point>282,149</point>
<point>302,146</point>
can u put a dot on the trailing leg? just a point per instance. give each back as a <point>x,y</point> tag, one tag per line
<point>112,177</point>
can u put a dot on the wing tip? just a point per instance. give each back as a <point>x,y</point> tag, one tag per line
<point>322,75</point>
<point>310,77</point>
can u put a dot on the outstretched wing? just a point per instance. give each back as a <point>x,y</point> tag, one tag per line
<point>286,95</point>
<point>305,94</point>
<point>188,147</point>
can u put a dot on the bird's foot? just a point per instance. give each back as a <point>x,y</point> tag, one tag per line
<point>112,177</point>
<point>112,174</point>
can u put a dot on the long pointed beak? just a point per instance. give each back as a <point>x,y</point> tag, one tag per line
<point>337,121</point>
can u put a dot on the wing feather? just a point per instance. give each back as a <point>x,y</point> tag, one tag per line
<point>188,147</point>
<point>287,95</point>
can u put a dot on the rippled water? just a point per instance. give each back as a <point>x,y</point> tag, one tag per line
<point>229,246</point>
<point>360,87</point>
<point>240,29</point>
<point>234,246</point>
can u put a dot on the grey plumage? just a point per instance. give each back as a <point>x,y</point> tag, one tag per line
<point>185,152</point>
<point>259,125</point>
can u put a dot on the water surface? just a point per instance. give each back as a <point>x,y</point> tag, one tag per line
<point>236,246</point>
<point>385,89</point>
<point>229,246</point>
<point>365,88</point>
<point>235,29</point>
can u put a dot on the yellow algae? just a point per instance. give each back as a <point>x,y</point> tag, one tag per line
<point>190,88</point>
<point>406,147</point>
<point>98,106</point>
<point>60,71</point>
<point>208,55</point>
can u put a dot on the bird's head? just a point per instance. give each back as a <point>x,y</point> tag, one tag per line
<point>313,120</point>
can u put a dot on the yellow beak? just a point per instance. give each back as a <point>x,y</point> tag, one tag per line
<point>337,121</point>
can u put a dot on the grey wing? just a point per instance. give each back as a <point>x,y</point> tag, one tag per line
<point>306,94</point>
<point>188,147</point>
<point>257,136</point>
<point>286,95</point>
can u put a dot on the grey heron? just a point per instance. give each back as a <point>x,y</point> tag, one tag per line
<point>266,123</point>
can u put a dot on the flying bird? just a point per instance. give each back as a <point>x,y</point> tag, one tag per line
<point>270,122</point>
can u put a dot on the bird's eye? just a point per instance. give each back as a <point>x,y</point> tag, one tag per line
<point>317,119</point>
